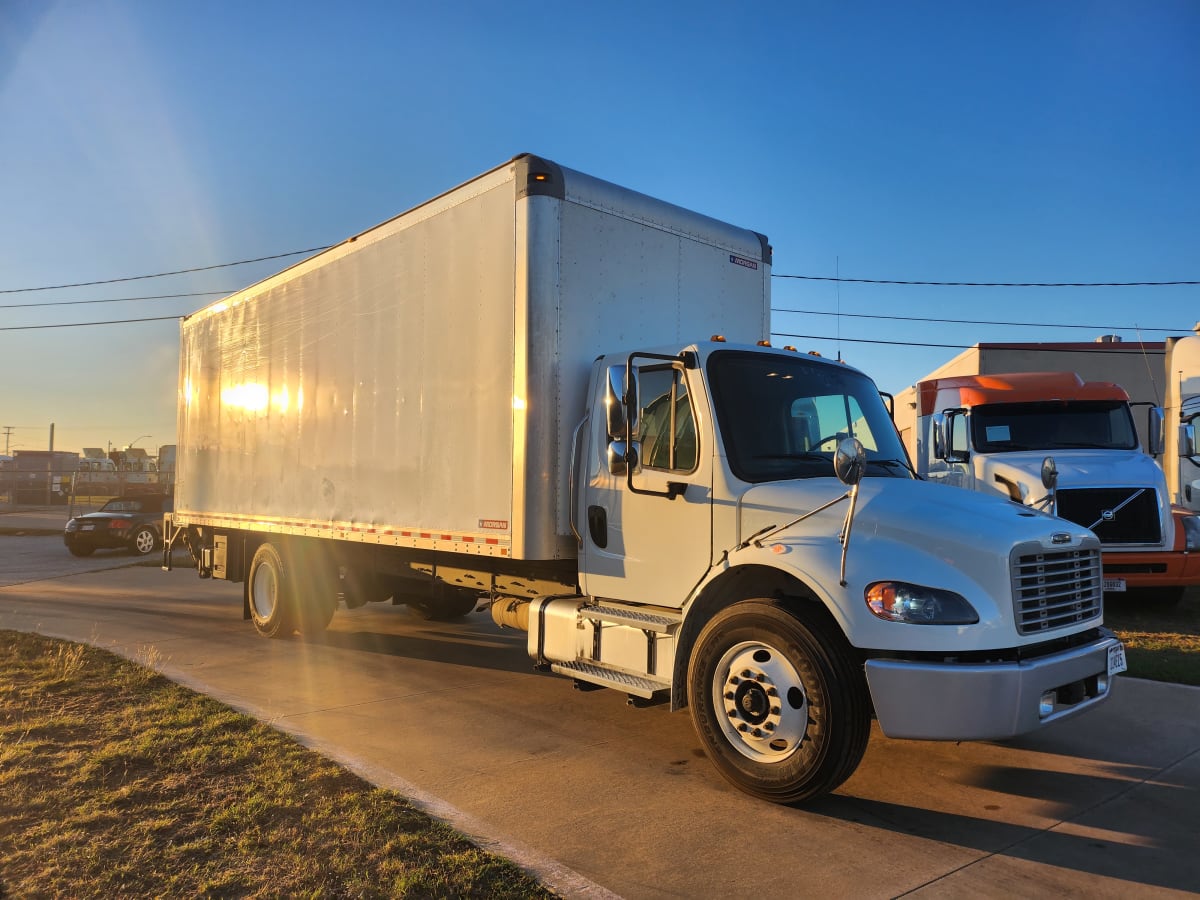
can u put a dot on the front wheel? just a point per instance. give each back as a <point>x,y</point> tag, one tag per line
<point>144,541</point>
<point>779,703</point>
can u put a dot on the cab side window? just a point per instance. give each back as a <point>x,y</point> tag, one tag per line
<point>666,427</point>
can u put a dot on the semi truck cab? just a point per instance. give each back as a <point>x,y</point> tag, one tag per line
<point>995,433</point>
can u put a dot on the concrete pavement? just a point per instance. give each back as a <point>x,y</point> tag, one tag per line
<point>595,797</point>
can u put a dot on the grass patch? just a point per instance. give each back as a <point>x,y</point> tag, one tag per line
<point>114,781</point>
<point>1161,643</point>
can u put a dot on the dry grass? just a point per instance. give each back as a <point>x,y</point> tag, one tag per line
<point>1162,644</point>
<point>115,781</point>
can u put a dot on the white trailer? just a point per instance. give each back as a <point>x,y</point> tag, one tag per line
<point>1181,408</point>
<point>508,397</point>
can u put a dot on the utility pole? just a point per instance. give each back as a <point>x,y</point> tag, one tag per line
<point>8,430</point>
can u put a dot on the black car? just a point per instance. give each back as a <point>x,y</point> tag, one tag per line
<point>132,523</point>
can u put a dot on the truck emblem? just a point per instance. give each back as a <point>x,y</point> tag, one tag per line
<point>1108,515</point>
<point>1060,537</point>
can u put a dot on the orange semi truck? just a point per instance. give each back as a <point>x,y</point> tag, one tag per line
<point>1052,441</point>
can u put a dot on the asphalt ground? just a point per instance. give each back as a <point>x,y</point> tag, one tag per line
<point>599,799</point>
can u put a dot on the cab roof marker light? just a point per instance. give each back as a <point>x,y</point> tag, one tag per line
<point>790,348</point>
<point>764,343</point>
<point>717,338</point>
<point>814,353</point>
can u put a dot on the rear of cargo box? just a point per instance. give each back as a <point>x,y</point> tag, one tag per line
<point>418,385</point>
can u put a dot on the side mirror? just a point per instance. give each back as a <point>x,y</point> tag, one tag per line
<point>850,461</point>
<point>1187,440</point>
<point>1154,431</point>
<point>1049,473</point>
<point>620,455</point>
<point>950,420</point>
<point>614,402</point>
<point>938,436</point>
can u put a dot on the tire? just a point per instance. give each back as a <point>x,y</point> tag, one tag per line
<point>443,602</point>
<point>144,541</point>
<point>779,703</point>
<point>269,592</point>
<point>80,549</point>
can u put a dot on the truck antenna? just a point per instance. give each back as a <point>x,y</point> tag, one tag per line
<point>1149,368</point>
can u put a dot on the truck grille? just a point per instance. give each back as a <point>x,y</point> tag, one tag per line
<point>1136,522</point>
<point>1053,589</point>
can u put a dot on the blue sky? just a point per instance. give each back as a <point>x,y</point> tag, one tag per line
<point>1009,142</point>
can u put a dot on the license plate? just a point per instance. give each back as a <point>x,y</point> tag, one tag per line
<point>1116,659</point>
<point>86,527</point>
<point>1112,585</point>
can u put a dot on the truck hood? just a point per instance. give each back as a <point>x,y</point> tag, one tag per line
<point>958,526</point>
<point>918,532</point>
<point>1076,469</point>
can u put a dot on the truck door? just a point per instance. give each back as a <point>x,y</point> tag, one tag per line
<point>652,542</point>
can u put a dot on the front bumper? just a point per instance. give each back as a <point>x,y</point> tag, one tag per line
<point>97,540</point>
<point>987,701</point>
<point>1152,568</point>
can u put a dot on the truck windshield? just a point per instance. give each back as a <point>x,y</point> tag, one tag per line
<point>782,417</point>
<point>1053,425</point>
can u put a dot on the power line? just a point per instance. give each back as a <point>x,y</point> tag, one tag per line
<point>818,312</point>
<point>240,262</point>
<point>990,284</point>
<point>834,278</point>
<point>1125,347</point>
<point>86,324</point>
<point>113,299</point>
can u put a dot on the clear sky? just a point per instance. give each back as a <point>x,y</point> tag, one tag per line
<point>1010,142</point>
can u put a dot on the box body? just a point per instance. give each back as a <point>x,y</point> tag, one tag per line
<point>420,383</point>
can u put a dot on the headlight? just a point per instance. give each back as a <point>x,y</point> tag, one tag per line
<point>897,601</point>
<point>1191,531</point>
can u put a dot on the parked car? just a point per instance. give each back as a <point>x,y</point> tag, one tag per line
<point>131,522</point>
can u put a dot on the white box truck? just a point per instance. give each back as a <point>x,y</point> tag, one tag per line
<point>499,398</point>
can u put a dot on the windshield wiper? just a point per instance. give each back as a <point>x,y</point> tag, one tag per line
<point>893,464</point>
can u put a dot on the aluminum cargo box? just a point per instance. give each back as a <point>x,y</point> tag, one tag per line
<point>419,384</point>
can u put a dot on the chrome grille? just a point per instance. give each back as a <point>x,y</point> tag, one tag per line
<point>1055,588</point>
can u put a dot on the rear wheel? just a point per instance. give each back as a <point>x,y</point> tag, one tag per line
<point>778,701</point>
<point>269,591</point>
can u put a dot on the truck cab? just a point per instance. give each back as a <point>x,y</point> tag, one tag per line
<point>999,433</point>
<point>754,545</point>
